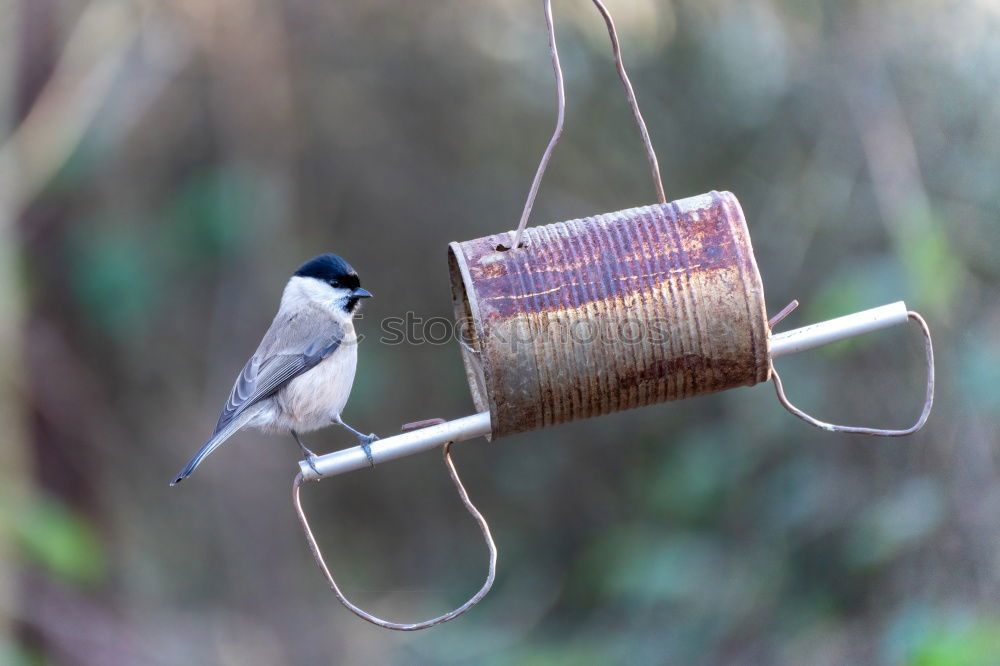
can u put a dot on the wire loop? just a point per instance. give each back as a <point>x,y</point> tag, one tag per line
<point>876,432</point>
<point>543,164</point>
<point>365,615</point>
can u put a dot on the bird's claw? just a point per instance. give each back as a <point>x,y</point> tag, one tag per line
<point>307,452</point>
<point>310,456</point>
<point>366,446</point>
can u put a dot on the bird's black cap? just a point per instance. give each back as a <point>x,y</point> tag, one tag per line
<point>328,268</point>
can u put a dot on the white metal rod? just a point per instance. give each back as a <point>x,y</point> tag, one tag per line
<point>478,425</point>
<point>397,446</point>
<point>841,328</point>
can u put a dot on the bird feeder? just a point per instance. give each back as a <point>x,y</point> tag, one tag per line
<point>613,312</point>
<point>602,314</point>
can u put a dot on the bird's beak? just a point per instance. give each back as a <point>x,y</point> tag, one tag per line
<point>361,293</point>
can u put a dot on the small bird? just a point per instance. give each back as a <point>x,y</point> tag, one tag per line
<point>300,377</point>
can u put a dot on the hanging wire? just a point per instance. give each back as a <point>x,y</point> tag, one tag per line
<point>560,119</point>
<point>877,432</point>
<point>365,615</point>
<point>654,165</point>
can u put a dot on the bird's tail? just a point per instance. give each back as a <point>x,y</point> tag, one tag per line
<point>212,444</point>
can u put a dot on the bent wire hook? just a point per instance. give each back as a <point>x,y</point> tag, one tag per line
<point>811,336</point>
<point>415,626</point>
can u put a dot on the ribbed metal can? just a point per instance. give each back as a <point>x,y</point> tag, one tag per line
<point>610,312</point>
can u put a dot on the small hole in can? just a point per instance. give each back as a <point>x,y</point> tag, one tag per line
<point>503,248</point>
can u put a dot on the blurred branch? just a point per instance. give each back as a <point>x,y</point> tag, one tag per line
<point>55,124</point>
<point>13,416</point>
<point>893,163</point>
<point>52,124</point>
<point>887,142</point>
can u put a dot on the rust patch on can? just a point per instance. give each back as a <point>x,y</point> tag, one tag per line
<point>611,312</point>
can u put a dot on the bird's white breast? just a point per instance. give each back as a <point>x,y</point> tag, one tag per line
<point>314,398</point>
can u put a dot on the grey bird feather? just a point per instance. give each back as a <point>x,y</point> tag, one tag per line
<point>302,343</point>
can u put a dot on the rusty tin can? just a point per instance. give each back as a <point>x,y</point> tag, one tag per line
<point>610,312</point>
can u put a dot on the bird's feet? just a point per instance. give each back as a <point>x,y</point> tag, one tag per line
<point>309,455</point>
<point>309,461</point>
<point>366,446</point>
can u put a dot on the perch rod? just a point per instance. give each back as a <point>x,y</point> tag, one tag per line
<point>478,425</point>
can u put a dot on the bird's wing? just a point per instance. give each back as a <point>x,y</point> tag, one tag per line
<point>294,344</point>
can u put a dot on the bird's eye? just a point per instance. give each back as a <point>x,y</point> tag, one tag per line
<point>334,284</point>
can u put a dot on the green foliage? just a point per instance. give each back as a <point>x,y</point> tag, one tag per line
<point>690,482</point>
<point>886,527</point>
<point>113,277</point>
<point>977,644</point>
<point>17,654</point>
<point>977,371</point>
<point>53,536</point>
<point>566,654</point>
<point>934,270</point>
<point>206,219</point>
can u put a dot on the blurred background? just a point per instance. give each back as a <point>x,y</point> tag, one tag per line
<point>165,165</point>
